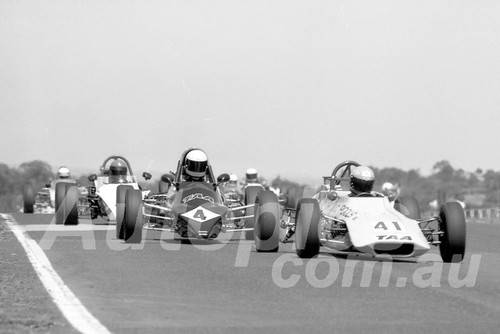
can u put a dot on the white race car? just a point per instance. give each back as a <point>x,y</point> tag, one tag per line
<point>110,185</point>
<point>369,223</point>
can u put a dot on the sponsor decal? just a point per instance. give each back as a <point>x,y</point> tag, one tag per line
<point>393,237</point>
<point>347,212</point>
<point>197,196</point>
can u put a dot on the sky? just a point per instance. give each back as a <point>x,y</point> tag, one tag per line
<point>290,88</point>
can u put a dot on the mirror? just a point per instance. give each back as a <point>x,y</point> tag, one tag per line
<point>223,178</point>
<point>146,176</point>
<point>92,177</point>
<point>167,178</point>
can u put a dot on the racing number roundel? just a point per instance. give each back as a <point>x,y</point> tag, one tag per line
<point>199,214</point>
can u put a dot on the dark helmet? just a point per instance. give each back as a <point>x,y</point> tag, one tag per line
<point>362,179</point>
<point>196,163</point>
<point>118,167</point>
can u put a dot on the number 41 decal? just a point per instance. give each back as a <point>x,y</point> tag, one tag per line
<point>384,227</point>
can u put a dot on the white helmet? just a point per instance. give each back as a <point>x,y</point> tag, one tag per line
<point>63,173</point>
<point>196,163</point>
<point>233,180</point>
<point>251,175</point>
<point>387,186</point>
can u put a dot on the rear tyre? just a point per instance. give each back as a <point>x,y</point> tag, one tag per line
<point>163,186</point>
<point>132,221</point>
<point>251,193</point>
<point>408,206</point>
<point>452,223</point>
<point>120,209</point>
<point>60,194</point>
<point>29,199</point>
<point>66,204</point>
<point>266,222</point>
<point>307,228</point>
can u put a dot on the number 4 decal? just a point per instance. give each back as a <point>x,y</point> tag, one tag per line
<point>200,215</point>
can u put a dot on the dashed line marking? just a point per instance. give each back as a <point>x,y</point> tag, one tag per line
<point>71,307</point>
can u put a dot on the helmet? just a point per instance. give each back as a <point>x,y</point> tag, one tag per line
<point>387,186</point>
<point>196,163</point>
<point>362,179</point>
<point>118,167</point>
<point>251,175</point>
<point>63,173</point>
<point>233,180</point>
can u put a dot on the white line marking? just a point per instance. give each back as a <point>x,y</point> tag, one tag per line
<point>64,228</point>
<point>63,297</point>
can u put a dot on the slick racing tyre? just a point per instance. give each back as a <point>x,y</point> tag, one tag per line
<point>306,228</point>
<point>29,199</point>
<point>163,186</point>
<point>292,196</point>
<point>120,209</point>
<point>266,222</point>
<point>452,224</point>
<point>408,206</point>
<point>132,220</point>
<point>251,193</point>
<point>66,203</point>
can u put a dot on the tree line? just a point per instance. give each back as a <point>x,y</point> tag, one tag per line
<point>478,189</point>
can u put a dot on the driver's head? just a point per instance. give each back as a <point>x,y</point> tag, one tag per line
<point>362,180</point>
<point>251,175</point>
<point>196,164</point>
<point>233,181</point>
<point>63,173</point>
<point>118,167</point>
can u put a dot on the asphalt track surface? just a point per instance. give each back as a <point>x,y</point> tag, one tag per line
<point>224,286</point>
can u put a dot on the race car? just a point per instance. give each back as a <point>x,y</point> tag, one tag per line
<point>44,200</point>
<point>369,223</point>
<point>192,206</point>
<point>100,198</point>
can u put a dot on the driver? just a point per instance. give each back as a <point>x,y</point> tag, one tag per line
<point>196,165</point>
<point>362,180</point>
<point>118,172</point>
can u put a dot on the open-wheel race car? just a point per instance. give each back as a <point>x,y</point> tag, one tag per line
<point>44,200</point>
<point>115,177</point>
<point>367,222</point>
<point>192,206</point>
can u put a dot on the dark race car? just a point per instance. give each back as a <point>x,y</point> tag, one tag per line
<point>190,203</point>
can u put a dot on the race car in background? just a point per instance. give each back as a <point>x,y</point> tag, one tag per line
<point>369,223</point>
<point>44,201</point>
<point>194,207</point>
<point>101,197</point>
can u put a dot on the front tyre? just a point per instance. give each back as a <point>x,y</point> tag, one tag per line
<point>132,220</point>
<point>307,241</point>
<point>452,224</point>
<point>121,191</point>
<point>266,222</point>
<point>251,193</point>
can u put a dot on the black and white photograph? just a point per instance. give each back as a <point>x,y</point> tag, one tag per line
<point>249,166</point>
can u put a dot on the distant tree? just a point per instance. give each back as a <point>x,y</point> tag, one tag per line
<point>36,173</point>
